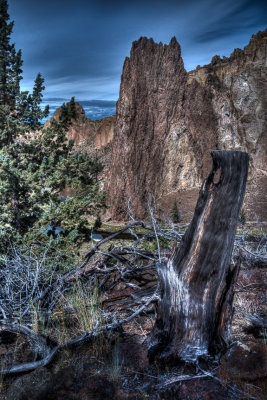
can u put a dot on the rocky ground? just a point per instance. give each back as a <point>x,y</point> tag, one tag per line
<point>115,365</point>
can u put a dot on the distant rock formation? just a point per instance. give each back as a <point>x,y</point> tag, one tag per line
<point>87,134</point>
<point>168,120</point>
<point>91,137</point>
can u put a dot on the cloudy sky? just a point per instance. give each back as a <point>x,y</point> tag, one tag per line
<point>79,45</point>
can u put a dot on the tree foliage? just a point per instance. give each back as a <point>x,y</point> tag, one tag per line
<point>98,222</point>
<point>68,112</point>
<point>72,108</point>
<point>242,217</point>
<point>176,214</point>
<point>36,164</point>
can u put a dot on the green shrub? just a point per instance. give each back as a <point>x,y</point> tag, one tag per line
<point>98,222</point>
<point>242,217</point>
<point>176,214</point>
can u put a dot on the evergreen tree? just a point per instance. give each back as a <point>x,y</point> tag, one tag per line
<point>37,164</point>
<point>98,222</point>
<point>72,108</point>
<point>242,217</point>
<point>176,215</point>
<point>64,117</point>
<point>10,61</point>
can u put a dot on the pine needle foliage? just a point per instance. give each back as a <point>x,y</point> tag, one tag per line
<point>36,164</point>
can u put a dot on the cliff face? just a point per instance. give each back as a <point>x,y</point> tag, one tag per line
<point>168,120</point>
<point>238,86</point>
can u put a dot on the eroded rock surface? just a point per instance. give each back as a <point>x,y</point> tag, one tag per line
<point>168,120</point>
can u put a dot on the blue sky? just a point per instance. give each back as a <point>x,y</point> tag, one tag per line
<point>79,46</point>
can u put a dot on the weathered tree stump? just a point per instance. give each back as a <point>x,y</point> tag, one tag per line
<point>195,307</point>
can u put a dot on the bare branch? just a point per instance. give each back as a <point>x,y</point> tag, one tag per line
<point>87,336</point>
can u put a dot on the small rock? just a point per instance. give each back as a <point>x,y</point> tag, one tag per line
<point>30,385</point>
<point>244,362</point>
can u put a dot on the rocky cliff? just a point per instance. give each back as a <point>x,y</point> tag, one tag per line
<point>87,134</point>
<point>91,137</point>
<point>168,120</point>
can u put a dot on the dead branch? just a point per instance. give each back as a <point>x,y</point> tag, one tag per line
<point>49,354</point>
<point>37,342</point>
<point>130,270</point>
<point>180,378</point>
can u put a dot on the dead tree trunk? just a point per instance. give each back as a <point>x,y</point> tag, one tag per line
<point>195,307</point>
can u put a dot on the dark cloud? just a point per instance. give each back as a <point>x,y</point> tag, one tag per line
<point>79,45</point>
<point>240,17</point>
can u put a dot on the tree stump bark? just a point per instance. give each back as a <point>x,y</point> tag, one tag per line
<point>195,306</point>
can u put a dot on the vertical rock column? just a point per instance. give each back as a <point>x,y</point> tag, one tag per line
<point>152,89</point>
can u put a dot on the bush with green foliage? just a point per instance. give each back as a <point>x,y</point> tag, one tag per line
<point>36,164</point>
<point>242,217</point>
<point>152,244</point>
<point>176,214</point>
<point>98,222</point>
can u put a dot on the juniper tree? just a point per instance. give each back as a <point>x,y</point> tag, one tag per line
<point>176,215</point>
<point>19,112</point>
<point>36,164</point>
<point>67,112</point>
<point>64,117</point>
<point>72,108</point>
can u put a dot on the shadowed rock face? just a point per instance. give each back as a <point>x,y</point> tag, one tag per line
<point>151,95</point>
<point>168,120</point>
<point>105,131</point>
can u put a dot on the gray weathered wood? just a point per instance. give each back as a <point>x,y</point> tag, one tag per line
<point>194,310</point>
